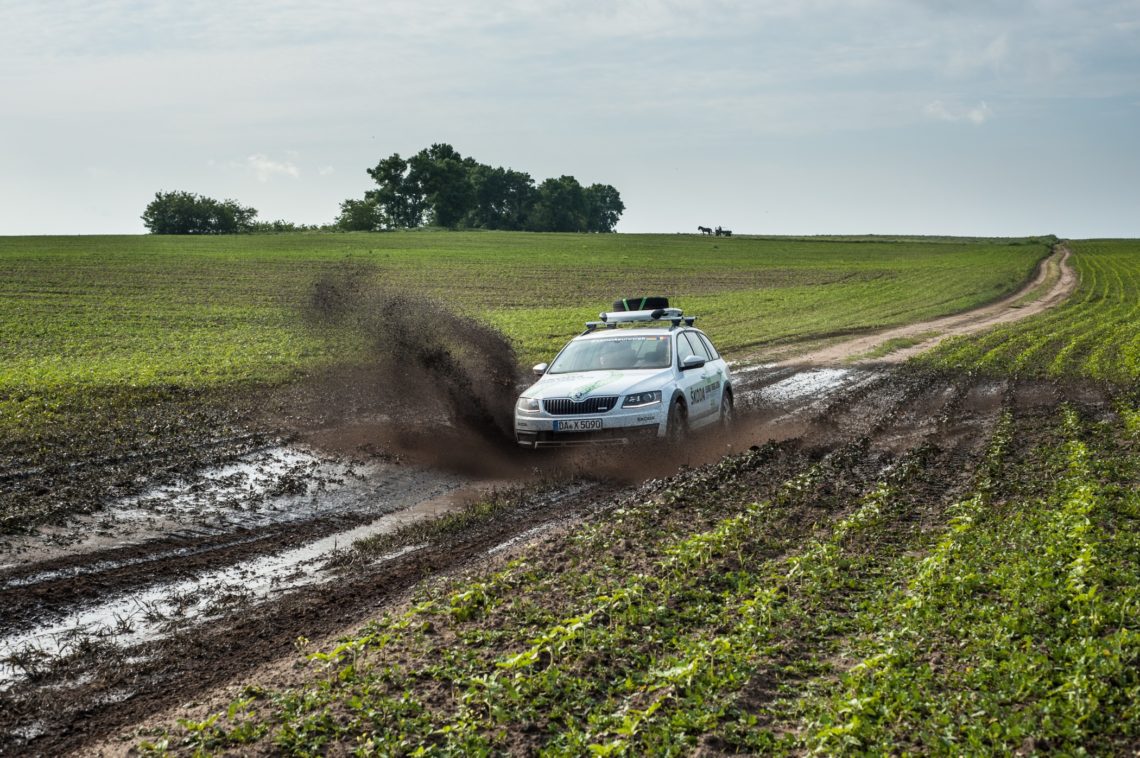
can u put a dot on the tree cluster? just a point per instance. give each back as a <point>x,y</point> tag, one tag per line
<point>188,213</point>
<point>438,186</point>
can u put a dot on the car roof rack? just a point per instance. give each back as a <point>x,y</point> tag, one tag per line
<point>611,319</point>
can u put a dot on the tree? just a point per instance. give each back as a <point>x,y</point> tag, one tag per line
<point>560,206</point>
<point>503,198</point>
<point>227,217</point>
<point>441,187</point>
<point>399,198</point>
<point>603,208</point>
<point>445,178</point>
<point>189,213</point>
<point>360,216</point>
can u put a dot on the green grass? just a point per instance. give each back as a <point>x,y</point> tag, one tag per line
<point>89,315</point>
<point>893,344</point>
<point>1094,335</point>
<point>1005,624</point>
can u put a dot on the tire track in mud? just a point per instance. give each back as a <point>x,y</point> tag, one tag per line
<point>870,418</point>
<point>947,426</point>
<point>108,687</point>
<point>85,574</point>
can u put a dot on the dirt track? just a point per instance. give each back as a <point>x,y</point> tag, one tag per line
<point>162,600</point>
<point>1054,281</point>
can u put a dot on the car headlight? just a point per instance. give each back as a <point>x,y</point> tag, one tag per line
<point>642,399</point>
<point>528,405</point>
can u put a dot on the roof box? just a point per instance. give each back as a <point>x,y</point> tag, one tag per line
<point>641,303</point>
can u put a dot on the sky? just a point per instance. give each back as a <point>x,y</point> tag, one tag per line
<point>998,118</point>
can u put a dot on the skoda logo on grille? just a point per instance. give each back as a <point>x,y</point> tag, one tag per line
<point>577,396</point>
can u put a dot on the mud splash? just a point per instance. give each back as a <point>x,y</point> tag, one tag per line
<point>426,361</point>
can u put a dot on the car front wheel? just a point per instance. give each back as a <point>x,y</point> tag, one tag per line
<point>678,425</point>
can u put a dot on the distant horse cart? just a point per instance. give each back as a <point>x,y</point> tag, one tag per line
<point>719,232</point>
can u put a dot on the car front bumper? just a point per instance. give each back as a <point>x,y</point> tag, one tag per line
<point>618,428</point>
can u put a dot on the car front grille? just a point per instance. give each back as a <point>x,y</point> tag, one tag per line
<point>564,406</point>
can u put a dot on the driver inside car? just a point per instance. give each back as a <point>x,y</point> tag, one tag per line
<point>618,355</point>
<point>656,357</point>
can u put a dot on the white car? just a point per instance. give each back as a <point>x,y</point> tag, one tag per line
<point>635,374</point>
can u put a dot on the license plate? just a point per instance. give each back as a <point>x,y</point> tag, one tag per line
<point>578,425</point>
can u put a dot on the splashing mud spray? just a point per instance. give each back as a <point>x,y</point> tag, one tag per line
<point>434,373</point>
<point>445,385</point>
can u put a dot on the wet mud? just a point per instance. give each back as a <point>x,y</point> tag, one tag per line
<point>188,584</point>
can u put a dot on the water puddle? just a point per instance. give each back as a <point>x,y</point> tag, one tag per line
<point>804,385</point>
<point>154,612</point>
<point>783,409</point>
<point>275,485</point>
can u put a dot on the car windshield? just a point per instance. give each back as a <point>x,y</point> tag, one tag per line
<point>613,353</point>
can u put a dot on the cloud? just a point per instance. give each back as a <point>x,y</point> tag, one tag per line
<point>265,168</point>
<point>976,114</point>
<point>992,56</point>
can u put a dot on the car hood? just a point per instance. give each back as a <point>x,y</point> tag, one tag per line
<point>581,385</point>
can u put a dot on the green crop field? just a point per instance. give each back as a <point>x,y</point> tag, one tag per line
<point>1094,335</point>
<point>123,315</point>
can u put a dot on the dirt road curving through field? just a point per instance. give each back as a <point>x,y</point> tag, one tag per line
<point>1054,281</point>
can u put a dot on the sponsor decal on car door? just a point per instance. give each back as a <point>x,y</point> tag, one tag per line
<point>691,380</point>
<point>704,392</point>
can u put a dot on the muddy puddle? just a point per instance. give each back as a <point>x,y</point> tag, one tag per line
<point>780,398</point>
<point>153,612</point>
<point>805,384</point>
<point>269,487</point>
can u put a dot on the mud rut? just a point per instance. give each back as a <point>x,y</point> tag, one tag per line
<point>98,636</point>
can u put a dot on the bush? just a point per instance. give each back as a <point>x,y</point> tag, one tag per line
<point>189,213</point>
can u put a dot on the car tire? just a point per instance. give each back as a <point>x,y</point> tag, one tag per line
<point>727,411</point>
<point>677,427</point>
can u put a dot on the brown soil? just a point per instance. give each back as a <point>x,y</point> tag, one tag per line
<point>86,702</point>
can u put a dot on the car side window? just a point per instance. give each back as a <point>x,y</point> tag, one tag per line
<point>708,346</point>
<point>698,346</point>
<point>684,349</point>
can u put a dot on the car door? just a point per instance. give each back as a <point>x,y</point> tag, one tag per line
<point>718,369</point>
<point>694,381</point>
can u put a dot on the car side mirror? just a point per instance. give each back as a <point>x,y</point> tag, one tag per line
<point>692,361</point>
<point>540,369</point>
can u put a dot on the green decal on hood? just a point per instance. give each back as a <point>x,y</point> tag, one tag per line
<point>586,389</point>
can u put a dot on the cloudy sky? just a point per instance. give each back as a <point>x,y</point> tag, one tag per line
<point>1005,117</point>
